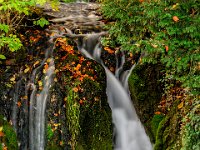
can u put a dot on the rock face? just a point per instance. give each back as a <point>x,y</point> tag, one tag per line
<point>170,116</point>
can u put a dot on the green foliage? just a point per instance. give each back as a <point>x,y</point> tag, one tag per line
<point>12,12</point>
<point>166,31</point>
<point>41,22</point>
<point>12,42</point>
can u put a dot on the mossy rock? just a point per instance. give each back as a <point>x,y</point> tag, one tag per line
<point>146,92</point>
<point>8,136</point>
<point>96,129</point>
<point>168,133</point>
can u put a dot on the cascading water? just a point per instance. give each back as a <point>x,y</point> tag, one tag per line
<point>129,134</point>
<point>38,102</point>
<point>128,131</point>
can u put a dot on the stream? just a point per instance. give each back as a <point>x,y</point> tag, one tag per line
<point>82,24</point>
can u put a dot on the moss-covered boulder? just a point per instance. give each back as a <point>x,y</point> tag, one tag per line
<point>79,116</point>
<point>170,116</point>
<point>8,137</point>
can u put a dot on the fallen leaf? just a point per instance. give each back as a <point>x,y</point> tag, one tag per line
<point>166,48</point>
<point>75,89</point>
<point>36,63</point>
<point>157,113</point>
<point>81,101</point>
<point>46,66</point>
<point>12,79</point>
<point>180,105</point>
<point>5,148</point>
<point>1,134</point>
<point>175,18</point>
<point>19,104</point>
<point>25,97</point>
<point>40,83</point>
<point>1,128</point>
<point>27,69</point>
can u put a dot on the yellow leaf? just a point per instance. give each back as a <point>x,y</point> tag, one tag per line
<point>40,83</point>
<point>56,124</point>
<point>26,70</point>
<point>49,60</point>
<point>12,79</point>
<point>36,63</point>
<point>1,128</point>
<point>180,105</point>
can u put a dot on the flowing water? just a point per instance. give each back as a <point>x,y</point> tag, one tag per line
<point>129,133</point>
<point>128,130</point>
<point>38,101</point>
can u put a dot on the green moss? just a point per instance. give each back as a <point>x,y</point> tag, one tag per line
<point>155,122</point>
<point>168,132</point>
<point>191,131</point>
<point>146,93</point>
<point>96,130</point>
<point>10,138</point>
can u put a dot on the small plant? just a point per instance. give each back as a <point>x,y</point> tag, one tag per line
<point>12,13</point>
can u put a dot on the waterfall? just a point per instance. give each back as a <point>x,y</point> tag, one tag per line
<point>38,101</point>
<point>128,130</point>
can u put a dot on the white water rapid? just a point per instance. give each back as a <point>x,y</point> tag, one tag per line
<point>128,130</point>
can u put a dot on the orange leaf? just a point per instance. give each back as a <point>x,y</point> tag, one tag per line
<point>180,105</point>
<point>157,113</point>
<point>81,101</point>
<point>109,50</point>
<point>1,134</point>
<point>19,104</point>
<point>175,18</point>
<point>5,148</point>
<point>75,89</point>
<point>166,48</point>
<point>46,66</point>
